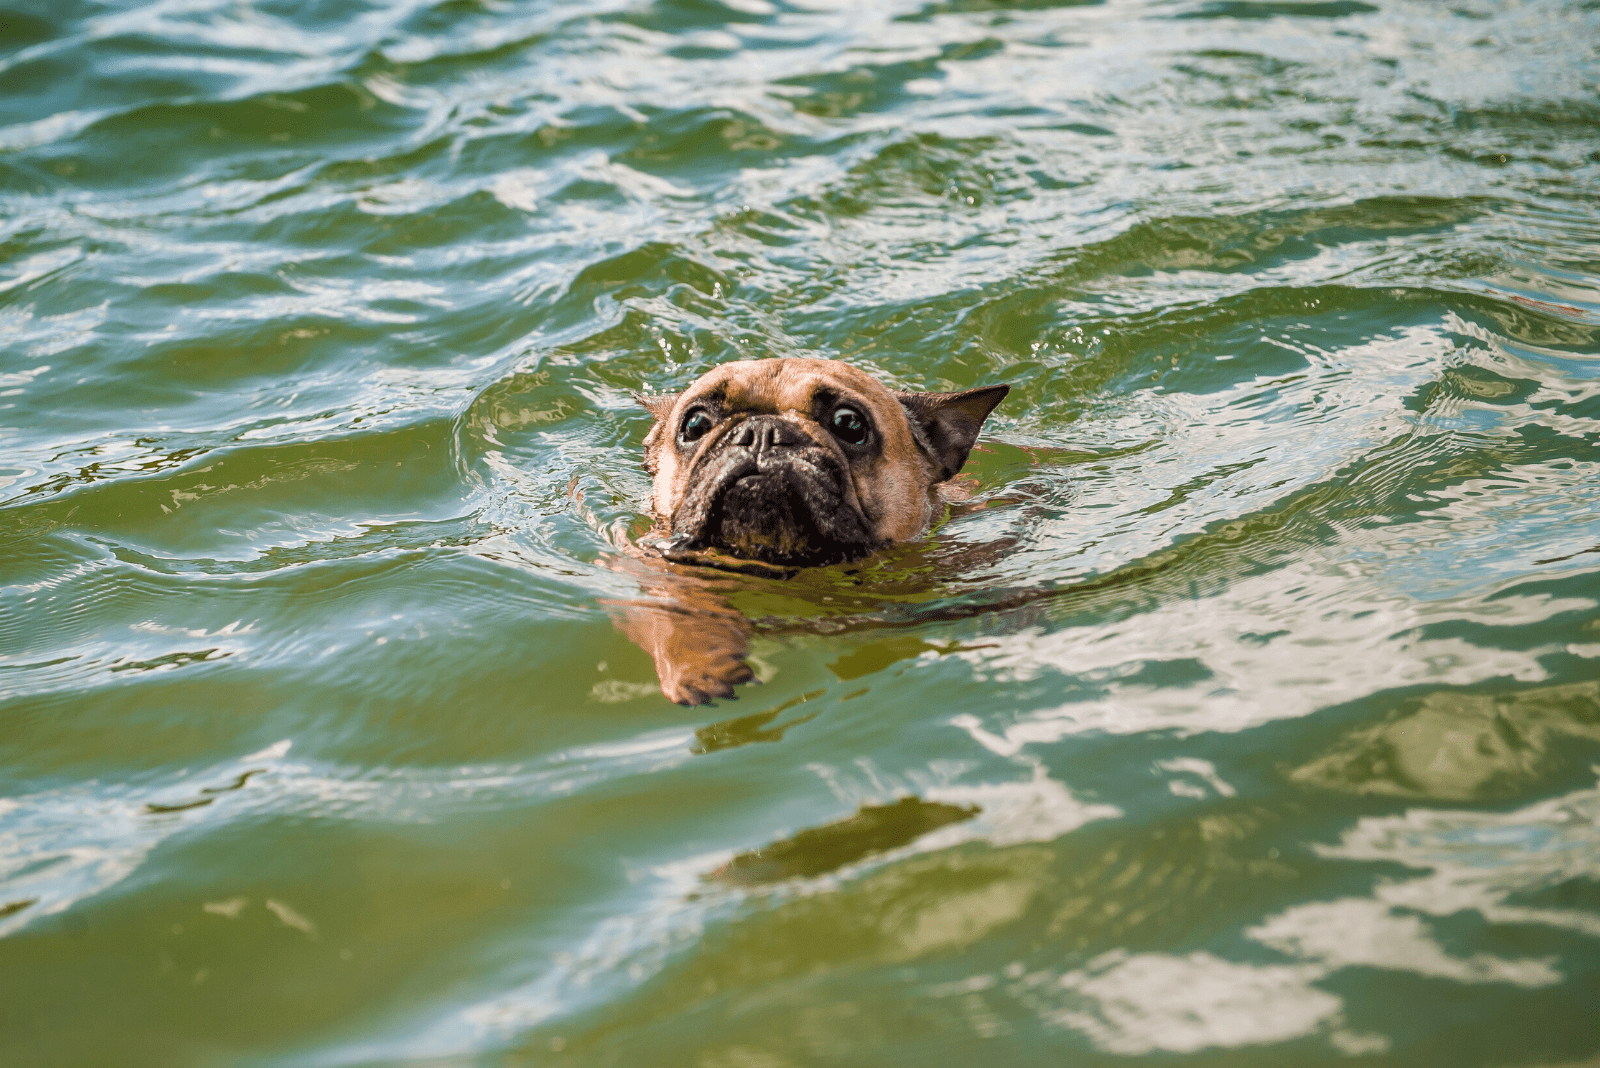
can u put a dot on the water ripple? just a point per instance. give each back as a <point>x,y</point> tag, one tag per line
<point>1265,643</point>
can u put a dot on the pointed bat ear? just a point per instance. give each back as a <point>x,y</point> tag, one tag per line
<point>659,405</point>
<point>947,424</point>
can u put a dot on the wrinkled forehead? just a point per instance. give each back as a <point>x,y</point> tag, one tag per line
<point>778,385</point>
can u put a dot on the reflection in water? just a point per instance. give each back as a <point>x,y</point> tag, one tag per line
<point>1151,1002</point>
<point>1477,864</point>
<point>1221,671</point>
<point>744,730</point>
<point>63,845</point>
<point>1486,862</point>
<point>1369,934</point>
<point>817,850</point>
<point>1462,746</point>
<point>1245,708</point>
<point>12,907</point>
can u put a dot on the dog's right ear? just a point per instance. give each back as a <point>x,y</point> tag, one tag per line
<point>659,405</point>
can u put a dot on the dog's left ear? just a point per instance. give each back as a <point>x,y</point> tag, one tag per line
<point>659,405</point>
<point>948,423</point>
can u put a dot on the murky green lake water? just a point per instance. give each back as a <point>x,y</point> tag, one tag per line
<point>1272,664</point>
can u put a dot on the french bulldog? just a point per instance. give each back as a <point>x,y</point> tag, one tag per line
<point>773,465</point>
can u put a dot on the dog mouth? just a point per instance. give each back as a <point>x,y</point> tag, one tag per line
<point>789,511</point>
<point>765,517</point>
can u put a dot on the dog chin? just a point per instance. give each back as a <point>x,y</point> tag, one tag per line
<point>793,516</point>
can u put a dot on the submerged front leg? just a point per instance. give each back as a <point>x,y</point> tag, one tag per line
<point>697,640</point>
<point>698,657</point>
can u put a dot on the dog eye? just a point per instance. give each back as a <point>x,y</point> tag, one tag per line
<point>696,426</point>
<point>848,426</point>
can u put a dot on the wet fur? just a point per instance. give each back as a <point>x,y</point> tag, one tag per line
<point>769,482</point>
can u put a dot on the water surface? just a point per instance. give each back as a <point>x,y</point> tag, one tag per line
<point>1252,718</point>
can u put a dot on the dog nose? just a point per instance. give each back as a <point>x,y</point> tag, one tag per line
<point>766,432</point>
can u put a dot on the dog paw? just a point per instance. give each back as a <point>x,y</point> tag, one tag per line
<point>702,683</point>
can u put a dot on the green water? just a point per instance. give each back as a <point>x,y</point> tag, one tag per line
<point>1271,665</point>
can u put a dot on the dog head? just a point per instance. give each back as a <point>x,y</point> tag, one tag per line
<point>801,462</point>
